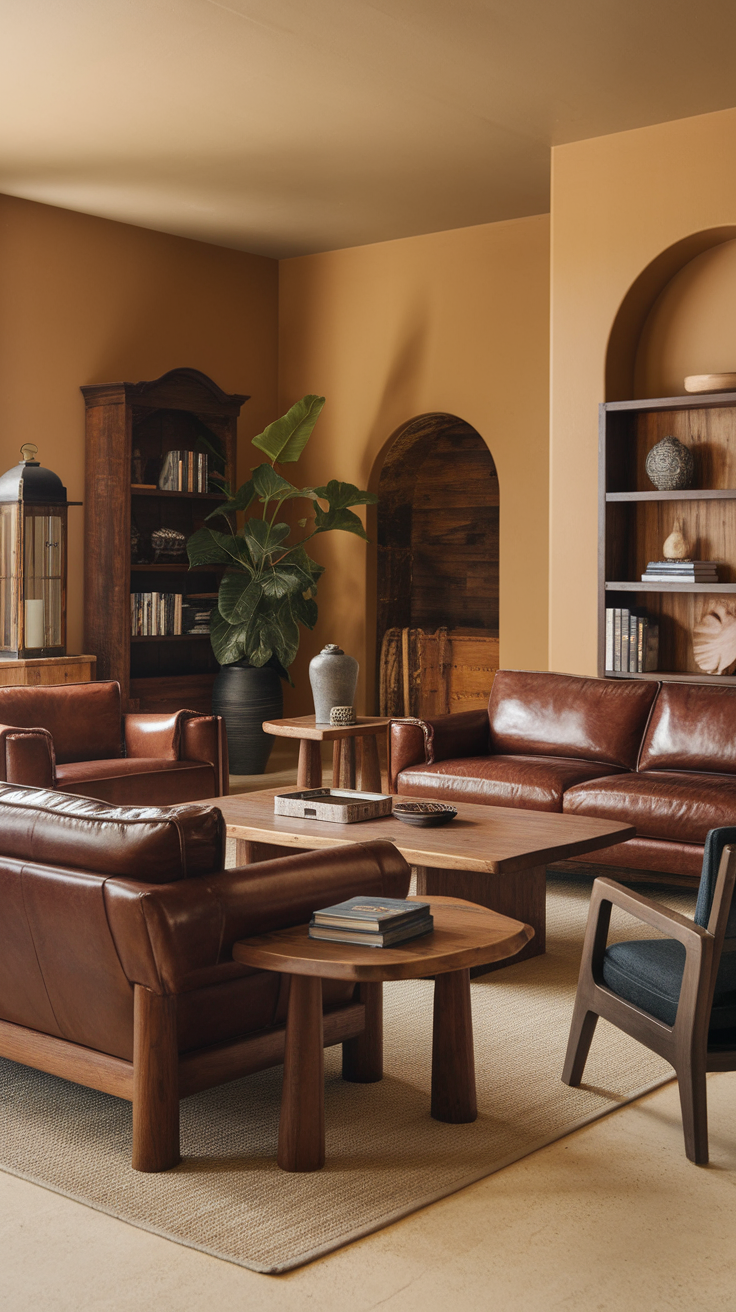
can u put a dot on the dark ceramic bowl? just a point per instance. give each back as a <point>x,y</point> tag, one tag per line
<point>424,814</point>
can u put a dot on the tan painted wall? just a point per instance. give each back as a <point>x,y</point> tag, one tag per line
<point>86,300</point>
<point>454,322</point>
<point>691,328</point>
<point>617,203</point>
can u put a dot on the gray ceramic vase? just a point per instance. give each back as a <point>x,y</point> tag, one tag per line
<point>669,465</point>
<point>334,678</point>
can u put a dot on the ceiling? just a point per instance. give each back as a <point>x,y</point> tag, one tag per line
<point>289,126</point>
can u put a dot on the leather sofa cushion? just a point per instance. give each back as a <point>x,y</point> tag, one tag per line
<point>534,783</point>
<point>160,844</point>
<point>123,782</point>
<point>678,806</point>
<point>84,719</point>
<point>597,720</point>
<point>693,727</point>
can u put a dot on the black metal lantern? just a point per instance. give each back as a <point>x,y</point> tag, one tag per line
<point>33,506</point>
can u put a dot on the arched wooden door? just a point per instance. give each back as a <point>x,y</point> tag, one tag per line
<point>437,590</point>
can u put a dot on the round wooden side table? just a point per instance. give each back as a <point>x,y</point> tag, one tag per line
<point>464,935</point>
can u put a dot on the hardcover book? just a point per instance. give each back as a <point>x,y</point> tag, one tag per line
<point>370,913</point>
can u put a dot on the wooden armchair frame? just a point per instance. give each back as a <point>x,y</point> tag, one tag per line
<point>684,1044</point>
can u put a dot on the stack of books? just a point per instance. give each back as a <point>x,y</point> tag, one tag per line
<point>374,922</point>
<point>632,641</point>
<point>680,571</point>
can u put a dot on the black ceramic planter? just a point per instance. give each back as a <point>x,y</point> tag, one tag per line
<point>245,696</point>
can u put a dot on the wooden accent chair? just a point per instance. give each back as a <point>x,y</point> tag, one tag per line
<point>676,995</point>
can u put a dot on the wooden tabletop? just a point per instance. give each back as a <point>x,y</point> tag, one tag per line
<point>305,726</point>
<point>464,935</point>
<point>496,839</point>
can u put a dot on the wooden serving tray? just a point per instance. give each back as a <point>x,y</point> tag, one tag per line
<point>340,805</point>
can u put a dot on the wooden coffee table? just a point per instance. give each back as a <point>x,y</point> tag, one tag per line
<point>494,856</point>
<point>463,935</point>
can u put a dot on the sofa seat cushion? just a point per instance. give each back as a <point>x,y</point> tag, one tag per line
<point>534,783</point>
<point>648,972</point>
<point>130,780</point>
<point>671,805</point>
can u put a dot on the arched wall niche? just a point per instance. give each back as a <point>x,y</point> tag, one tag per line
<point>436,567</point>
<point>627,328</point>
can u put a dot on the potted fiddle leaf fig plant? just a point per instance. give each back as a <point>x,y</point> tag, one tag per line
<point>270,582</point>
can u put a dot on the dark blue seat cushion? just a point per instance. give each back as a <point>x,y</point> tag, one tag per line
<point>648,972</point>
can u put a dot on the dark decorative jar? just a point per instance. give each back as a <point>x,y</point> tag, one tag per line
<point>245,696</point>
<point>669,465</point>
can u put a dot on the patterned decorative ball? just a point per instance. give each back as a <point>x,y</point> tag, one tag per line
<point>669,465</point>
<point>341,715</point>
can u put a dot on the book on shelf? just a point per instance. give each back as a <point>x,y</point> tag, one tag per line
<point>673,571</point>
<point>155,614</point>
<point>184,471</point>
<point>632,641</point>
<point>371,921</point>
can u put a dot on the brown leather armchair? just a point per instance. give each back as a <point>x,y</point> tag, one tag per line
<point>74,737</point>
<point>116,932</point>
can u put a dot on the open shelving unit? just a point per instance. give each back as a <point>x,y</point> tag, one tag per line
<point>635,519</point>
<point>182,410</point>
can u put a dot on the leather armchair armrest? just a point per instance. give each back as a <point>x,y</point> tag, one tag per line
<point>172,938</point>
<point>424,742</point>
<point>203,738</point>
<point>27,757</point>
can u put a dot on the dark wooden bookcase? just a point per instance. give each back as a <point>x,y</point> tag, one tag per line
<point>635,519</point>
<point>173,412</point>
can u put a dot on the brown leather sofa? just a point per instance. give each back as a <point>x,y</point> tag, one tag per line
<point>116,934</point>
<point>660,756</point>
<point>74,737</point>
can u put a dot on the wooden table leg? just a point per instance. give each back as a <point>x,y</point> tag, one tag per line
<point>343,763</point>
<point>521,895</point>
<point>370,767</point>
<point>302,1124</point>
<point>362,1057</point>
<point>309,769</point>
<point>453,1062</point>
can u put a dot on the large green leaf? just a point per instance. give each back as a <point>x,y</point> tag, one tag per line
<point>285,439</point>
<point>326,520</point>
<point>208,547</point>
<point>283,579</point>
<point>228,640</point>
<point>238,598</point>
<point>270,485</point>
<point>240,501</point>
<point>298,556</point>
<point>263,538</point>
<point>304,610</point>
<point>341,495</point>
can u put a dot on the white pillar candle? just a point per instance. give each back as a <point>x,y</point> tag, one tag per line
<point>34,624</point>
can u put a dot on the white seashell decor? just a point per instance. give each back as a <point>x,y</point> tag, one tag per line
<point>714,641</point>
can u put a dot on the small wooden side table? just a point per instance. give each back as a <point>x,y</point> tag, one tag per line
<point>343,737</point>
<point>36,670</point>
<point>464,935</point>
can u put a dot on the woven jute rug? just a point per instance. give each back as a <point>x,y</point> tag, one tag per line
<point>386,1157</point>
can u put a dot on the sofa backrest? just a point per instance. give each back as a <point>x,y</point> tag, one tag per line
<point>693,727</point>
<point>540,714</point>
<point>84,719</point>
<point>153,844</point>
